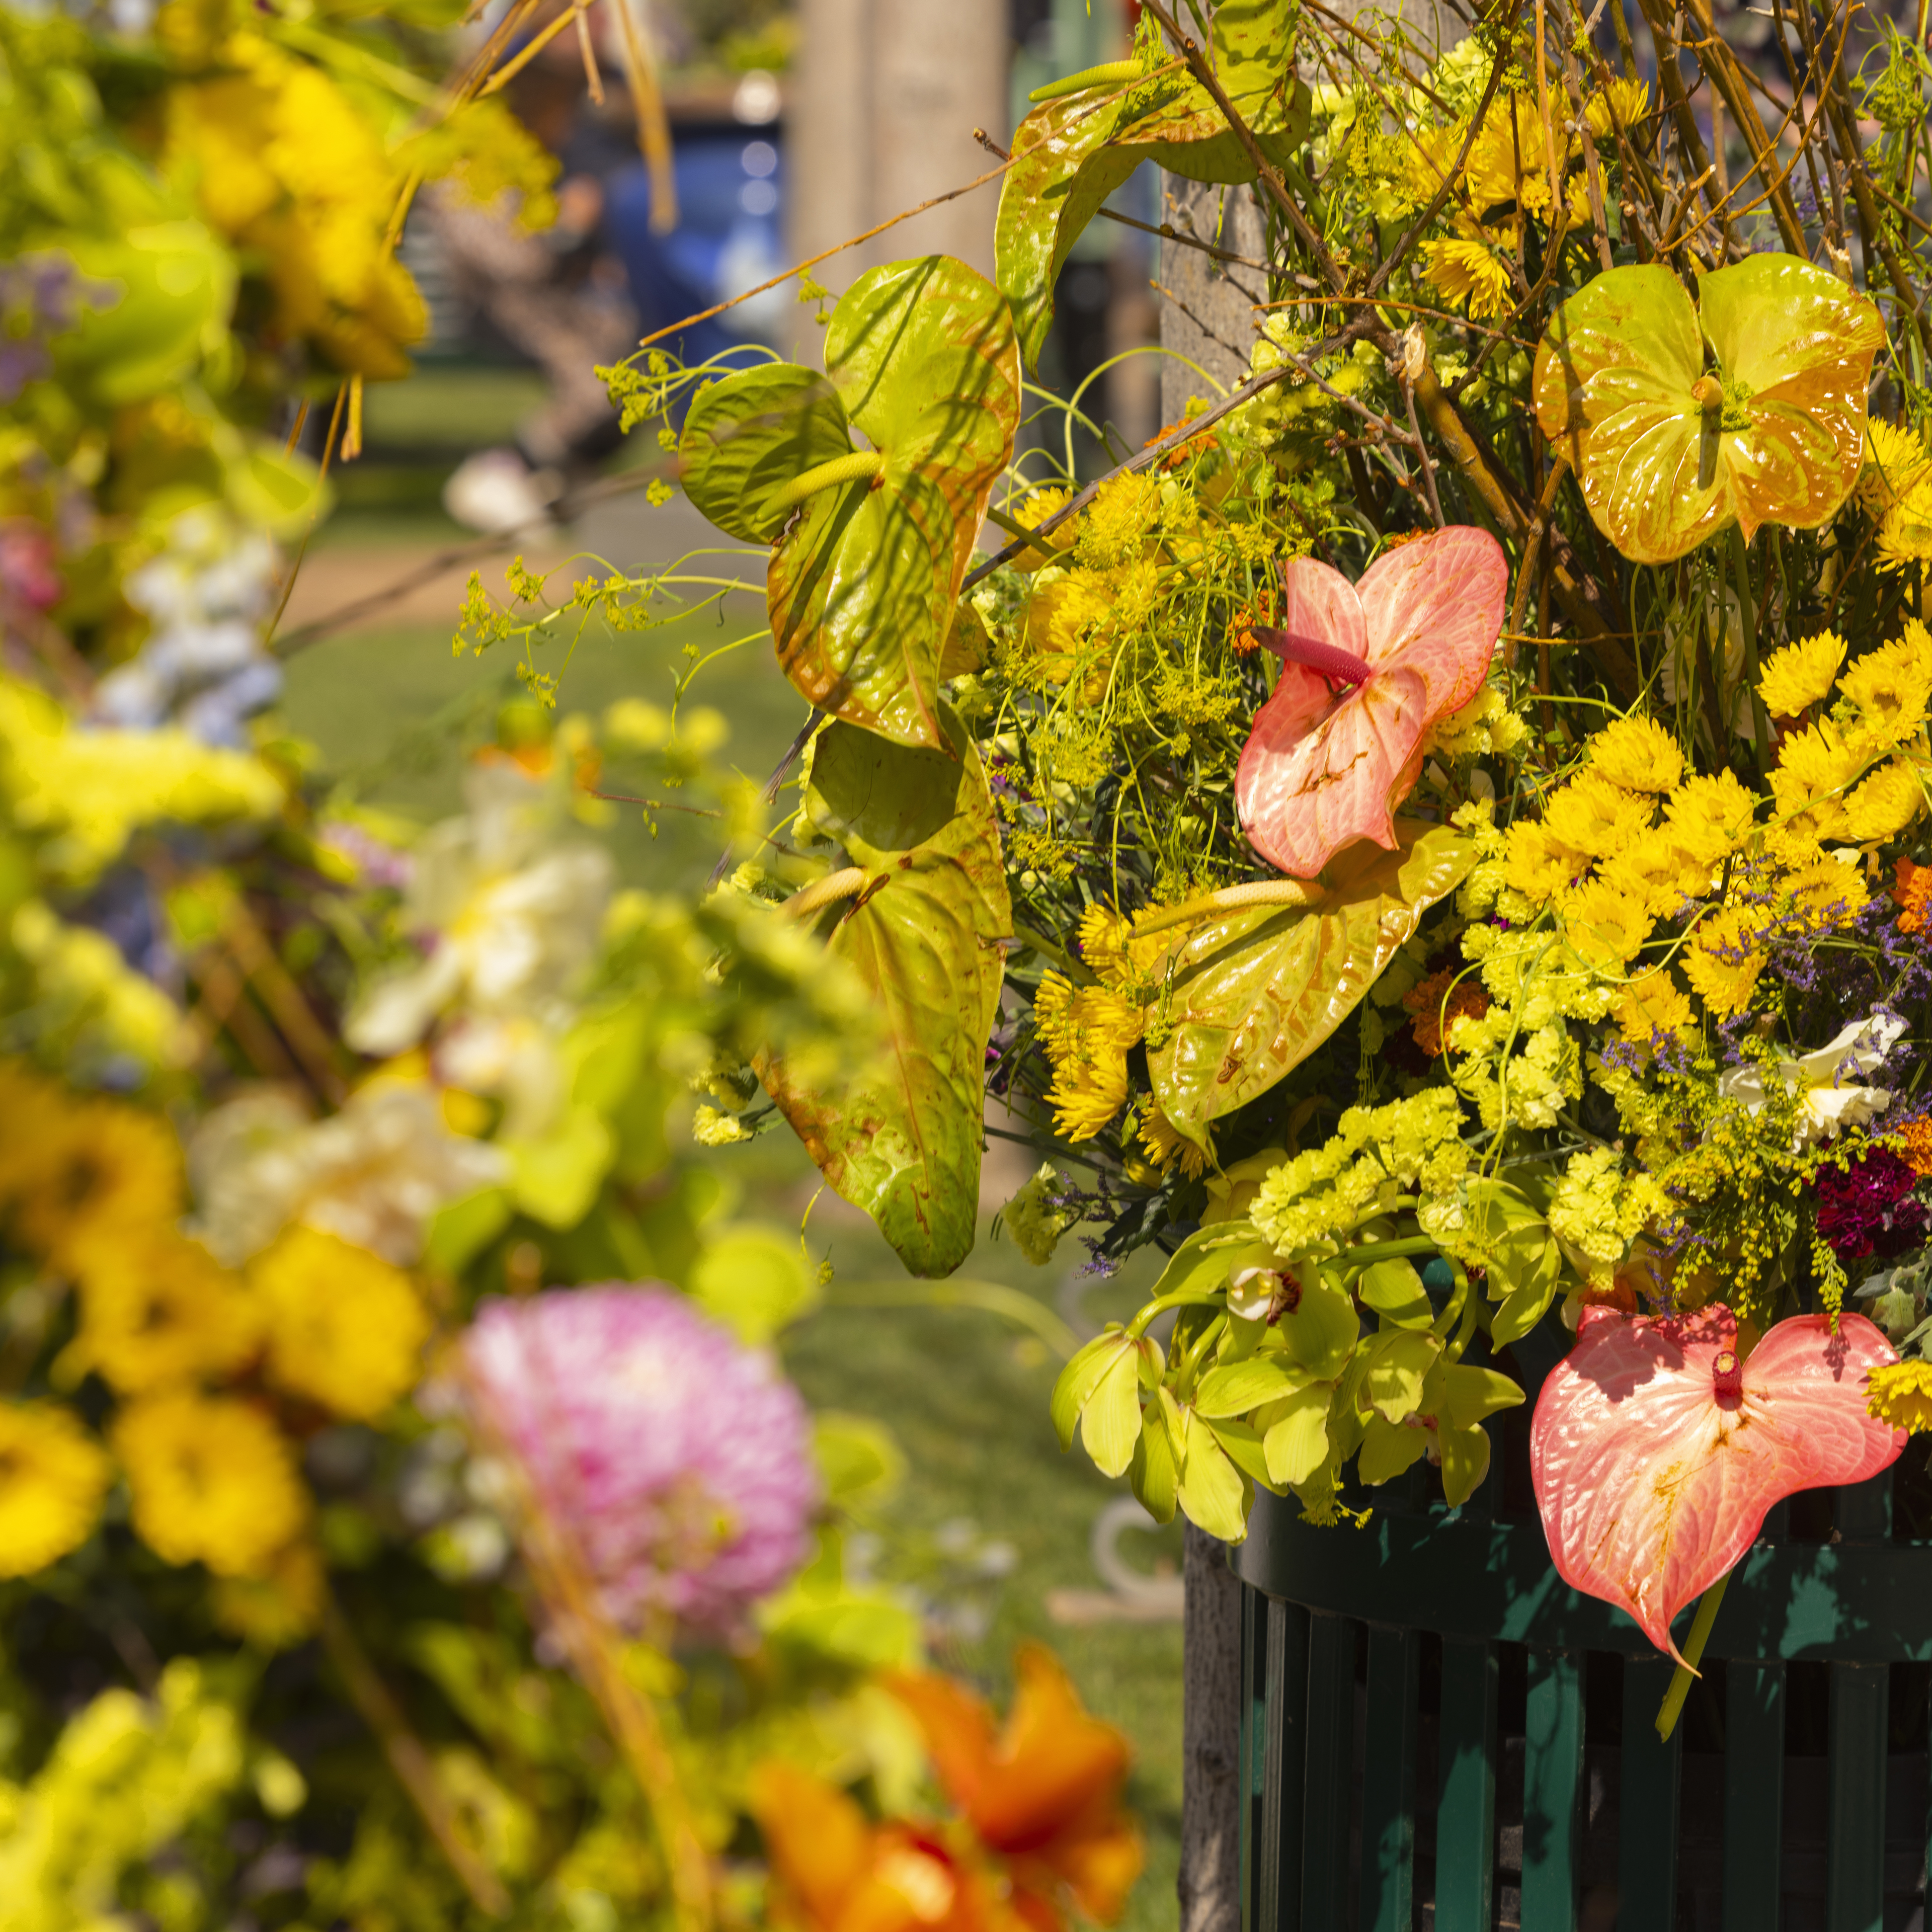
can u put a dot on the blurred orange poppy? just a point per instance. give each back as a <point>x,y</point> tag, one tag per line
<point>1044,1793</point>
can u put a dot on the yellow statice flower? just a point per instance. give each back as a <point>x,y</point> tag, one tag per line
<point>82,792</point>
<point>77,1173</point>
<point>1651,1005</point>
<point>1121,521</point>
<point>345,1327</point>
<point>1723,960</point>
<point>1166,1146</point>
<point>1900,1393</point>
<point>211,1479</point>
<point>1087,1035</point>
<point>1885,804</point>
<point>1637,754</point>
<point>1599,1207</point>
<point>1709,817</point>
<point>157,1308</point>
<point>1815,768</point>
<point>52,1477</point>
<point>1891,687</point>
<point>1591,815</point>
<point>1896,461</point>
<point>1032,1218</point>
<point>1800,676</point>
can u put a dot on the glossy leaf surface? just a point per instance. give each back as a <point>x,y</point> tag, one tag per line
<point>1792,349</point>
<point>1652,1484</point>
<point>1075,151</point>
<point>903,1141</point>
<point>747,436</point>
<point>920,357</point>
<point>1253,994</point>
<point>1320,770</point>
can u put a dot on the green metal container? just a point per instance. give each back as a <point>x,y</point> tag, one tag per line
<point>1438,1733</point>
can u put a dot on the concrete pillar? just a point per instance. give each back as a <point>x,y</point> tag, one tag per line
<point>884,95</point>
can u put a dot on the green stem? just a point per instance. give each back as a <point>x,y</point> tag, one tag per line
<point>990,1298</point>
<point>1185,1297</point>
<point>862,463</point>
<point>1197,1353</point>
<point>1383,1251</point>
<point>1109,73</point>
<point>1748,610</point>
<point>1667,1712</point>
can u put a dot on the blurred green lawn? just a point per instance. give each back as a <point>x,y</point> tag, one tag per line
<point>964,1393</point>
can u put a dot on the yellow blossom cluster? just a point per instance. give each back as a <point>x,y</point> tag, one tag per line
<point>1087,1035</point>
<point>1896,486</point>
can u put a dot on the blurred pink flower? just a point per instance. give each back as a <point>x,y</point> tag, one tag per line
<point>680,1461</point>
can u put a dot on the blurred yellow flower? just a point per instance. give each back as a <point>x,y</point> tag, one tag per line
<point>76,1173</point>
<point>157,1308</point>
<point>211,1481</point>
<point>1637,753</point>
<point>1900,1393</point>
<point>1799,676</point>
<point>52,1477</point>
<point>280,1607</point>
<point>345,1328</point>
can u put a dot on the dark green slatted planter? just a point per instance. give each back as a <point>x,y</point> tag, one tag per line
<point>1438,1734</point>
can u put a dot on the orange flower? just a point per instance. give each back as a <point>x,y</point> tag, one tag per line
<point>838,1872</point>
<point>1044,1793</point>
<point>1912,887</point>
<point>1433,1019</point>
<point>1914,1141</point>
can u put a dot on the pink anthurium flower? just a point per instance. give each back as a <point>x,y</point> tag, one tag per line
<point>1407,644</point>
<point>1656,1452</point>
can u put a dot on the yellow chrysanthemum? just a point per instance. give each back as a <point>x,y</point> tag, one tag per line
<point>1896,460</point>
<point>1815,770</point>
<point>1723,962</point>
<point>1120,521</point>
<point>1885,804</point>
<point>1651,1005</point>
<point>1638,755</point>
<point>1537,866</point>
<point>1621,105</point>
<point>1066,615</point>
<point>75,1174</point>
<point>52,1477</point>
<point>1087,1035</point>
<point>1460,268</point>
<point>1800,676</point>
<point>1591,815</point>
<point>1900,1393</point>
<point>1604,926</point>
<point>1905,537</point>
<point>1040,504</point>
<point>1891,686</point>
<point>1658,874</point>
<point>344,1327</point>
<point>1824,892</point>
<point>211,1481</point>
<point>1709,817</point>
<point>1123,959</point>
<point>157,1308</point>
<point>1166,1148</point>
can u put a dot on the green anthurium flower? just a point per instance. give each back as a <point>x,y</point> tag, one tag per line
<point>1681,419</point>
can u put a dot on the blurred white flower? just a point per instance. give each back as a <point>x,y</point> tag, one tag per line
<point>509,915</point>
<point>373,1173</point>
<point>1830,1101</point>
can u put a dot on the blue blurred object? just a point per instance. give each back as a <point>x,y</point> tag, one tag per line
<point>730,187</point>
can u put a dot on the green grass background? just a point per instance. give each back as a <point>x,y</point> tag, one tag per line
<point>964,1393</point>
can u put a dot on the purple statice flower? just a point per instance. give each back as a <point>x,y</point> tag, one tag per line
<point>1867,1208</point>
<point>679,1460</point>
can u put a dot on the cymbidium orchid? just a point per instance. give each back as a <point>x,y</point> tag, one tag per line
<point>1408,645</point>
<point>1658,1446</point>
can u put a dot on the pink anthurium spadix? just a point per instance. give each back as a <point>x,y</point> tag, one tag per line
<point>1366,669</point>
<point>1656,1451</point>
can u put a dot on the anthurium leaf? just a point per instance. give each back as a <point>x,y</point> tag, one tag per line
<point>1242,1386</point>
<point>1294,1434</point>
<point>902,1139</point>
<point>1253,994</point>
<point>863,577</point>
<point>1393,1289</point>
<point>747,437</point>
<point>1776,435</point>
<point>1074,152</point>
